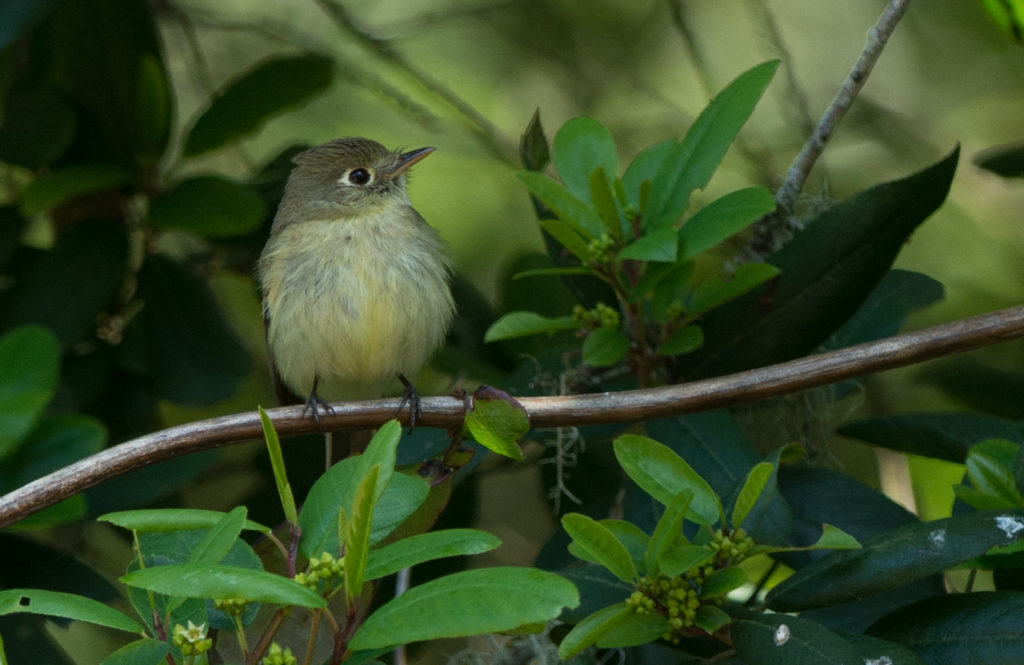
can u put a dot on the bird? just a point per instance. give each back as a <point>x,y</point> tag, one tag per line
<point>355,283</point>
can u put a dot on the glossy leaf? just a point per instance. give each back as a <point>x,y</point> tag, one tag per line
<point>657,245</point>
<point>755,483</point>
<point>284,488</point>
<point>690,163</point>
<point>716,291</point>
<point>894,558</point>
<point>827,272</point>
<point>601,546</point>
<point>269,88</point>
<point>193,354</point>
<point>668,530</point>
<point>632,537</point>
<point>560,201</point>
<point>521,324</point>
<point>724,217</point>
<point>171,519</point>
<point>533,145</point>
<point>568,236</point>
<point>463,604</point>
<point>1009,15</point>
<point>990,470</point>
<point>219,538</point>
<point>497,421</point>
<point>605,346</point>
<point>604,203</point>
<point>357,533</point>
<point>424,547</point>
<point>723,581</point>
<point>981,627</point>
<point>710,618</point>
<point>147,651</point>
<point>66,606</point>
<point>643,169</point>
<point>581,146</point>
<point>669,291</point>
<point>946,436</point>
<point>770,639</point>
<point>382,452</point>
<point>29,365</point>
<point>663,474</point>
<point>210,206</point>
<point>611,622</point>
<point>684,340</point>
<point>677,560</point>
<point>204,581</point>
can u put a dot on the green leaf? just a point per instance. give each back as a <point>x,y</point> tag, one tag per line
<point>834,538</point>
<point>521,324</point>
<point>38,127</point>
<point>204,581</point>
<point>568,236</point>
<point>604,203</point>
<point>677,560</point>
<point>549,272</point>
<point>533,146</point>
<point>284,488</point>
<point>609,623</point>
<point>29,367</point>
<point>690,163</point>
<point>684,340</point>
<point>946,436</point>
<point>671,290</point>
<point>193,354</point>
<point>90,260</point>
<point>423,547</point>
<point>271,87</point>
<point>171,519</point>
<point>980,627</point>
<point>464,604</point>
<point>382,451</point>
<point>1008,15</point>
<point>668,530</point>
<point>1006,160</point>
<point>874,651</point>
<point>210,206</point>
<point>147,651</point>
<point>605,346</point>
<point>154,108</point>
<point>497,421</point>
<point>770,639</point>
<point>357,534</point>
<point>714,223</point>
<point>828,270</point>
<point>600,544</point>
<point>656,245</point>
<point>715,291</point>
<point>990,469</point>
<point>723,581</point>
<point>66,606</point>
<point>567,207</point>
<point>581,146</point>
<point>219,538</point>
<point>710,618</point>
<point>663,474</point>
<point>63,184</point>
<point>643,168</point>
<point>631,536</point>
<point>334,491</point>
<point>755,483</point>
<point>895,557</point>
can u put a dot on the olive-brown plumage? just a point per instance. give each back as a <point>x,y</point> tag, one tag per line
<point>355,282</point>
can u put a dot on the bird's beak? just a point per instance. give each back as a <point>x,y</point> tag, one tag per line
<point>407,159</point>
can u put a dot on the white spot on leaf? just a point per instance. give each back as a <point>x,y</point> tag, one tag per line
<point>881,660</point>
<point>781,634</point>
<point>938,537</point>
<point>1009,525</point>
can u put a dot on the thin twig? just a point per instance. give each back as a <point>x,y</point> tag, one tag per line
<point>801,167</point>
<point>546,412</point>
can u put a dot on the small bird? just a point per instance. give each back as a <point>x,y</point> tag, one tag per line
<point>355,283</point>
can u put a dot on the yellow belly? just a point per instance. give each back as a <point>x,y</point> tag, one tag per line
<point>354,302</point>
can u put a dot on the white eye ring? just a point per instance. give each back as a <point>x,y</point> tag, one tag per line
<point>357,177</point>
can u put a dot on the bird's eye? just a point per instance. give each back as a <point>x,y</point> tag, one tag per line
<point>359,176</point>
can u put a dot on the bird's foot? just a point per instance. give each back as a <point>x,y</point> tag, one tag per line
<point>314,403</point>
<point>411,397</point>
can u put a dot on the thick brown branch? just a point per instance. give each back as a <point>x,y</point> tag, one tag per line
<point>592,409</point>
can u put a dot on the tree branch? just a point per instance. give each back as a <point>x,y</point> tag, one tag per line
<point>543,412</point>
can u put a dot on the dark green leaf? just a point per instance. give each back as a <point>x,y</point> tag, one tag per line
<point>64,605</point>
<point>715,291</point>
<point>89,260</point>
<point>994,390</point>
<point>154,110</point>
<point>533,146</point>
<point>657,245</point>
<point>423,547</point>
<point>1005,160</point>
<point>18,16</point>
<point>643,168</point>
<point>898,294</point>
<point>463,604</point>
<point>146,651</point>
<point>565,205</point>
<point>990,470</point>
<point>723,581</point>
<point>37,128</point>
<point>722,218</point>
<point>982,627</point>
<point>581,146</point>
<point>946,436</point>
<point>828,270</point>
<point>194,356</point>
<point>157,520</point>
<point>894,558</point>
<point>497,421</point>
<point>690,163</point>
<point>605,346</point>
<point>710,618</point>
<point>55,442</point>
<point>771,639</point>
<point>684,340</point>
<point>881,652</point>
<point>521,324</point>
<point>269,88</point>
<point>29,365</point>
<point>209,206</point>
<point>669,291</point>
<point>60,186</point>
<point>204,581</point>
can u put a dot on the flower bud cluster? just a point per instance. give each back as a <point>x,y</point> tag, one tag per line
<point>600,250</point>
<point>731,548</point>
<point>232,606</point>
<point>321,568</point>
<point>192,640</point>
<point>277,656</point>
<point>591,319</point>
